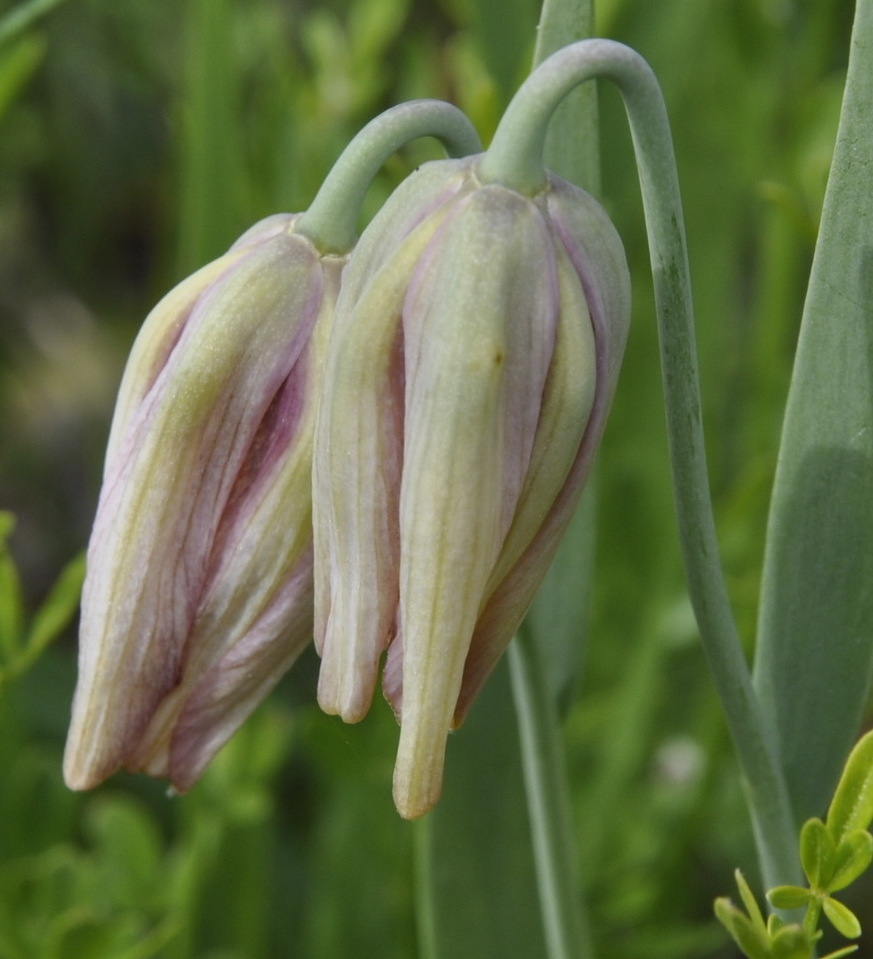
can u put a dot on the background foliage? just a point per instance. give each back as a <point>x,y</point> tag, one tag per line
<point>136,141</point>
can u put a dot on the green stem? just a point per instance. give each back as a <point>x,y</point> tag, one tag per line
<point>515,160</point>
<point>332,219</point>
<point>812,916</point>
<point>548,800</point>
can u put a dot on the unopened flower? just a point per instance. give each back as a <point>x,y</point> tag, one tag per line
<point>198,593</point>
<point>473,357</point>
<point>199,589</point>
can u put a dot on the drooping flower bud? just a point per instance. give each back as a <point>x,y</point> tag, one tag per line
<point>473,358</point>
<point>198,593</point>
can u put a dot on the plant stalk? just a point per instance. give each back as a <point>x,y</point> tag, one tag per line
<point>515,160</point>
<point>331,222</point>
<point>548,799</point>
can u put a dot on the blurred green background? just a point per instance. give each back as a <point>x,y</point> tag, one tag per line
<point>137,139</point>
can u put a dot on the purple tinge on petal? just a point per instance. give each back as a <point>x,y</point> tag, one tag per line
<point>362,554</point>
<point>232,688</point>
<point>155,343</point>
<point>599,263</point>
<point>266,228</point>
<point>531,339</point>
<point>357,467</point>
<point>596,252</point>
<point>270,443</point>
<point>256,615</point>
<point>392,675</point>
<point>480,320</point>
<point>166,488</point>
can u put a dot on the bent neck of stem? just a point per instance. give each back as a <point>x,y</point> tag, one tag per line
<point>515,160</point>
<point>331,221</point>
<point>515,157</point>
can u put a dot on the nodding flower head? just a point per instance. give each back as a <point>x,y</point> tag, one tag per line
<point>198,593</point>
<point>199,588</point>
<point>473,358</point>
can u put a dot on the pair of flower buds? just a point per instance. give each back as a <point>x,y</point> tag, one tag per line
<point>377,450</point>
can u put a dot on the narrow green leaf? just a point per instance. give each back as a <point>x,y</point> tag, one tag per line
<point>815,655</point>
<point>742,930</point>
<point>842,918</point>
<point>854,855</point>
<point>788,897</point>
<point>211,142</point>
<point>502,30</point>
<point>127,845</point>
<point>852,805</point>
<point>750,902</point>
<point>58,609</point>
<point>839,953</point>
<point>817,853</point>
<point>19,18</point>
<point>373,25</point>
<point>573,141</point>
<point>11,602</point>
<point>18,63</point>
<point>477,889</point>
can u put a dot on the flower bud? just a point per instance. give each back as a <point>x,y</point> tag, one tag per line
<point>473,358</point>
<point>198,593</point>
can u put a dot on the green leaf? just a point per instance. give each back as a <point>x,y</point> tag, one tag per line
<point>58,609</point>
<point>373,24</point>
<point>818,853</point>
<point>852,805</point>
<point>17,66</point>
<point>573,140</point>
<point>210,161</point>
<point>839,953</point>
<point>814,655</point>
<point>478,893</point>
<point>502,30</point>
<point>127,849</point>
<point>19,18</point>
<point>788,897</point>
<point>791,942</point>
<point>750,902</point>
<point>743,931</point>
<point>11,603</point>
<point>854,855</point>
<point>842,918</point>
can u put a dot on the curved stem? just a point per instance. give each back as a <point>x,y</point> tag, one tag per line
<point>331,221</point>
<point>515,160</point>
<point>548,802</point>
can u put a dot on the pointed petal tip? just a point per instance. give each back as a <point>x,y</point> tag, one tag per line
<point>418,771</point>
<point>415,797</point>
<point>82,772</point>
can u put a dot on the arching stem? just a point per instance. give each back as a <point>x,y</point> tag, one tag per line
<point>515,160</point>
<point>332,219</point>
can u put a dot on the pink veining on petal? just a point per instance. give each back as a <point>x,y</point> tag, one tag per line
<point>232,688</point>
<point>508,604</point>
<point>530,346</point>
<point>364,562</point>
<point>174,524</point>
